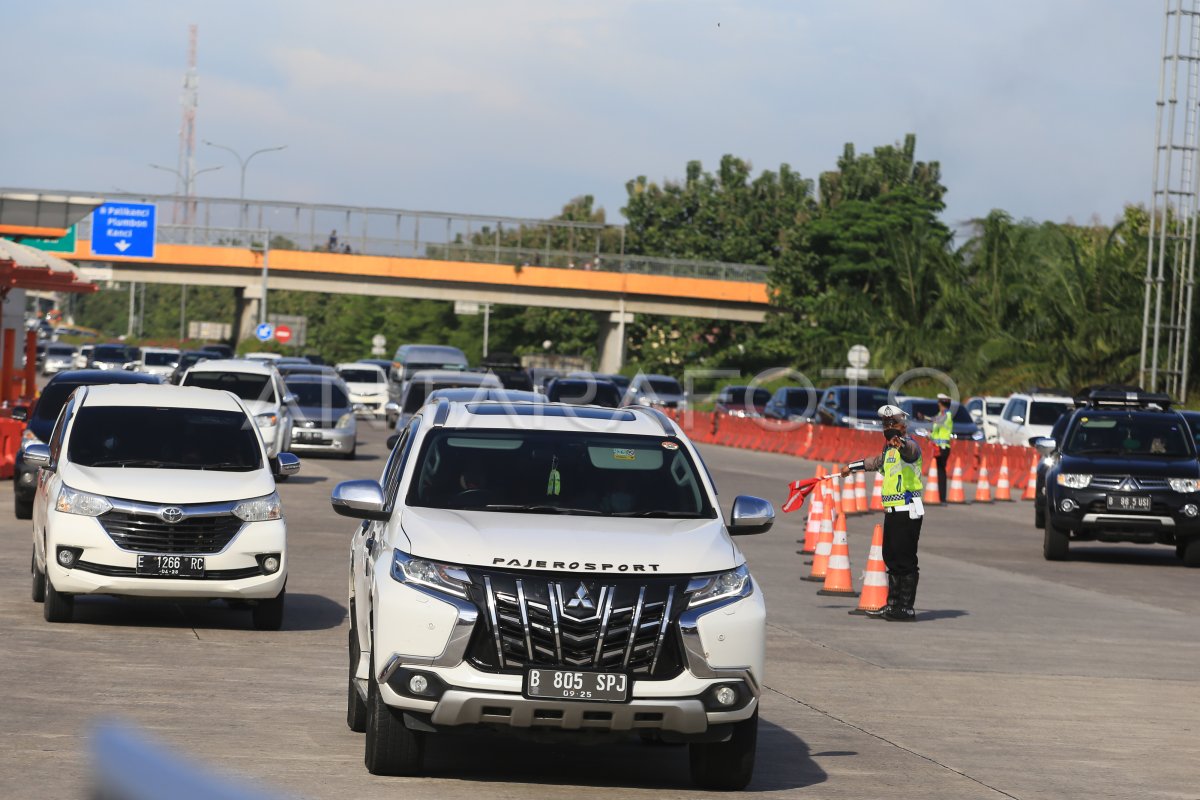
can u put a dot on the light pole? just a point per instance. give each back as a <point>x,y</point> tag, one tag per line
<point>189,184</point>
<point>243,163</point>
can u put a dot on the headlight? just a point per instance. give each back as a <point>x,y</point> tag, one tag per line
<point>845,420</point>
<point>259,509</point>
<point>267,420</point>
<point>73,501</point>
<point>710,588</point>
<point>1183,484</point>
<point>977,436</point>
<point>344,420</point>
<point>1073,481</point>
<point>431,574</point>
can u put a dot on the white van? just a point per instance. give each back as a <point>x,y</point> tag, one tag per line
<point>259,386</point>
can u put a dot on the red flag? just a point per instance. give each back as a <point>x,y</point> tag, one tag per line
<point>798,492</point>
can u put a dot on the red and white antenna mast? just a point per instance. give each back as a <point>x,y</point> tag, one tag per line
<point>186,174</point>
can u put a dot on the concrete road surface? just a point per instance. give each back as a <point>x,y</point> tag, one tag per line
<point>1022,678</point>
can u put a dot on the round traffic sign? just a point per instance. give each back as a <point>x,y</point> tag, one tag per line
<point>378,340</point>
<point>263,332</point>
<point>859,356</point>
<point>283,334</point>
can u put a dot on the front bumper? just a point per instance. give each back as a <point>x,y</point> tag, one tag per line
<point>369,404</point>
<point>328,440</point>
<point>105,568</point>
<point>1091,519</point>
<point>428,633</point>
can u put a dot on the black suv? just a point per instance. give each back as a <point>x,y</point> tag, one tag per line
<point>1126,470</point>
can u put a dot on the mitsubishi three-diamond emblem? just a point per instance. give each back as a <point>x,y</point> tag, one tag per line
<point>581,599</point>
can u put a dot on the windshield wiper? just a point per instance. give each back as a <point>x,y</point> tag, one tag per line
<point>1100,451</point>
<point>541,509</point>
<point>659,512</point>
<point>139,462</point>
<point>226,465</point>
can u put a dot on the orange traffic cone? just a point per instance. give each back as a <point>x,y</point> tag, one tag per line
<point>837,485</point>
<point>932,498</point>
<point>812,530</point>
<point>983,490</point>
<point>847,504</point>
<point>838,580</point>
<point>1002,487</point>
<point>860,493</point>
<point>877,495</point>
<point>1031,481</point>
<point>956,485</point>
<point>820,562</point>
<point>875,584</point>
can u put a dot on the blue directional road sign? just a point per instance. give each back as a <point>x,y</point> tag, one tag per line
<point>124,229</point>
<point>263,332</point>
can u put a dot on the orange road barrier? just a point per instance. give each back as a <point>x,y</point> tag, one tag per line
<point>932,498</point>
<point>1002,486</point>
<point>875,584</point>
<point>860,493</point>
<point>820,562</point>
<point>956,485</point>
<point>1031,481</point>
<point>838,580</point>
<point>983,490</point>
<point>877,495</point>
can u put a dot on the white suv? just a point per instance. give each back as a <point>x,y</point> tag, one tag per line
<point>158,491</point>
<point>551,569</point>
<point>259,386</point>
<point>1029,416</point>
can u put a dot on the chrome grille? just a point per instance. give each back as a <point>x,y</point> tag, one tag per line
<point>146,533</point>
<point>1126,483</point>
<point>584,623</point>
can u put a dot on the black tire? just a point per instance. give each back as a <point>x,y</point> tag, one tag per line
<point>352,454</point>
<point>391,748</point>
<point>23,509</point>
<point>1056,543</point>
<point>726,766</point>
<point>57,607</point>
<point>1191,553</point>
<point>356,709</point>
<point>1039,511</point>
<point>267,615</point>
<point>39,580</point>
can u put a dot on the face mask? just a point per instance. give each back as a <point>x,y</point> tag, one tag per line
<point>892,433</point>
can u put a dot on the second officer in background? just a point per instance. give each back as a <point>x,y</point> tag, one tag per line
<point>940,435</point>
<point>900,467</point>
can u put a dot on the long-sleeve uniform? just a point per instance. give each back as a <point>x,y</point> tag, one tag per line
<point>940,435</point>
<point>904,512</point>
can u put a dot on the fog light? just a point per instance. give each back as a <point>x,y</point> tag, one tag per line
<point>269,563</point>
<point>1190,510</point>
<point>726,696</point>
<point>1068,505</point>
<point>417,684</point>
<point>67,556</point>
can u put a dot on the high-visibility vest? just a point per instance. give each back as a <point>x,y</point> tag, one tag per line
<point>901,480</point>
<point>943,429</point>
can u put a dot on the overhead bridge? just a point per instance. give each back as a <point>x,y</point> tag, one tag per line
<point>418,254</point>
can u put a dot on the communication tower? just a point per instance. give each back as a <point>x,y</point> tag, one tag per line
<point>186,172</point>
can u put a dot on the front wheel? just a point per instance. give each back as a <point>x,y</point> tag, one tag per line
<point>1056,543</point>
<point>39,580</point>
<point>267,615</point>
<point>1039,511</point>
<point>356,709</point>
<point>23,509</point>
<point>391,748</point>
<point>1191,553</point>
<point>726,766</point>
<point>57,607</point>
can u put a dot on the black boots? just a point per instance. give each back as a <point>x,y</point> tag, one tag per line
<point>893,598</point>
<point>902,611</point>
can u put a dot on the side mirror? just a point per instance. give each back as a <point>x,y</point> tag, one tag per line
<point>1018,420</point>
<point>359,500</point>
<point>976,414</point>
<point>285,464</point>
<point>750,515</point>
<point>391,441</point>
<point>289,399</point>
<point>37,455</point>
<point>1044,445</point>
<point>20,413</point>
<point>392,409</point>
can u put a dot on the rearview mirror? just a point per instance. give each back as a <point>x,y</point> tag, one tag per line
<point>360,500</point>
<point>1019,420</point>
<point>391,441</point>
<point>285,464</point>
<point>20,413</point>
<point>289,399</point>
<point>750,515</point>
<point>37,455</point>
<point>1044,445</point>
<point>976,414</point>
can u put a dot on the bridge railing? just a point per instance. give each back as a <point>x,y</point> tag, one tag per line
<point>516,241</point>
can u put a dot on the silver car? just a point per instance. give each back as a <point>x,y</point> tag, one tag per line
<point>324,420</point>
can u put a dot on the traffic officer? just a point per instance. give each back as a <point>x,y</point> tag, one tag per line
<point>900,465</point>
<point>942,432</point>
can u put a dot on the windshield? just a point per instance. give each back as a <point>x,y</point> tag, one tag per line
<point>740,394</point>
<point>664,386</point>
<point>863,403</point>
<point>801,398</point>
<point>1044,413</point>
<point>558,472</point>
<point>169,438</point>
<point>325,394</point>
<point>246,385</point>
<point>152,359</point>
<point>596,393</point>
<point>1164,435</point>
<point>434,358</point>
<point>995,409</point>
<point>53,398</point>
<point>110,352</point>
<point>60,350</point>
<point>362,376</point>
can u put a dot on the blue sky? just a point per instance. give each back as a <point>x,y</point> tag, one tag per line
<point>1044,109</point>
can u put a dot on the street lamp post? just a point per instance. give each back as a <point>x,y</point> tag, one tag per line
<point>243,163</point>
<point>189,185</point>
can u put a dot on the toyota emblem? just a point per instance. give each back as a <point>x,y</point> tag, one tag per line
<point>171,514</point>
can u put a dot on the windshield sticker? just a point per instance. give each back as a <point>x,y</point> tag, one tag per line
<point>670,446</point>
<point>624,454</point>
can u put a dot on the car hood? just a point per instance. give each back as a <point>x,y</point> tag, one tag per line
<point>1141,467</point>
<point>256,407</point>
<point>367,388</point>
<point>168,485</point>
<point>318,413</point>
<point>551,542</point>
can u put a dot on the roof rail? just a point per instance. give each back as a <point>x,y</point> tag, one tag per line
<point>441,413</point>
<point>663,419</point>
<point>1112,398</point>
